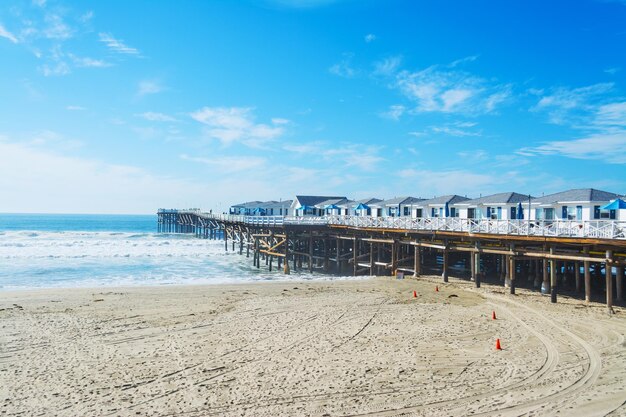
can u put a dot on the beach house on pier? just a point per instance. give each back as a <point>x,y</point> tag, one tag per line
<point>245,209</point>
<point>310,205</point>
<point>362,207</point>
<point>394,207</point>
<point>443,206</point>
<point>332,206</point>
<point>578,204</point>
<point>501,206</point>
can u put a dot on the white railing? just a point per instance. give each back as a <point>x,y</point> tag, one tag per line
<point>601,229</point>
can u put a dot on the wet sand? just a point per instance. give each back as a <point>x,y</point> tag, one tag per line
<point>309,348</point>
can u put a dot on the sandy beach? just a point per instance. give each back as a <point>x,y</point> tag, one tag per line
<point>309,348</point>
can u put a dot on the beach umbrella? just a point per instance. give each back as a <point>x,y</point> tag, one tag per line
<point>615,205</point>
<point>520,211</point>
<point>447,210</point>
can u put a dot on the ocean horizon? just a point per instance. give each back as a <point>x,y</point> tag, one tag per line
<point>112,250</point>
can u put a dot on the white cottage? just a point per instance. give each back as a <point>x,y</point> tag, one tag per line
<point>501,206</point>
<point>436,207</point>
<point>395,207</point>
<point>309,205</point>
<point>578,204</point>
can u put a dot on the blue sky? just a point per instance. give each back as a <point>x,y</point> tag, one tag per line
<point>125,107</point>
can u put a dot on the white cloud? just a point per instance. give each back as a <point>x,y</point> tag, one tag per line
<point>53,183</point>
<point>74,108</point>
<point>451,91</point>
<point>4,33</point>
<point>565,104</point>
<point>387,66</point>
<point>613,70</point>
<point>370,37</point>
<point>89,62</point>
<point>40,3</point>
<point>455,130</point>
<point>117,45</point>
<point>612,114</point>
<point>608,147</point>
<point>149,87</point>
<point>56,69</point>
<point>86,17</point>
<point>344,67</point>
<point>56,28</point>
<point>233,124</point>
<point>229,164</point>
<point>441,182</point>
<point>157,117</point>
<point>395,112</point>
<point>463,61</point>
<point>280,121</point>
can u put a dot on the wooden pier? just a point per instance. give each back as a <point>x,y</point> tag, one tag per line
<point>546,257</point>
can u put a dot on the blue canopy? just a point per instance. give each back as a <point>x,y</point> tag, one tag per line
<point>520,211</point>
<point>259,210</point>
<point>362,206</point>
<point>614,205</point>
<point>331,207</point>
<point>447,210</point>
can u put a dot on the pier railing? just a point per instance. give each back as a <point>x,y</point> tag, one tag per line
<point>601,229</point>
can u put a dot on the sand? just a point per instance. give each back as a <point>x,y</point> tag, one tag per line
<point>308,348</point>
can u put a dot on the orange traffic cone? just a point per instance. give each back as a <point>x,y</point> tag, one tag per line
<point>414,294</point>
<point>493,315</point>
<point>436,288</point>
<point>498,347</point>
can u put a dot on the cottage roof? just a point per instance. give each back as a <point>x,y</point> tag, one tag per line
<point>249,204</point>
<point>577,195</point>
<point>500,198</point>
<point>275,204</point>
<point>398,201</point>
<point>331,201</point>
<point>442,200</point>
<point>312,200</point>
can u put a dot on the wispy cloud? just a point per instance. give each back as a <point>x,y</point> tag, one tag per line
<point>4,33</point>
<point>606,137</point>
<point>56,28</point>
<point>613,70</point>
<point>448,90</point>
<point>87,62</point>
<point>370,37</point>
<point>117,45</point>
<point>387,66</point>
<point>459,129</point>
<point>229,164</point>
<point>146,87</point>
<point>364,157</point>
<point>157,117</point>
<point>608,147</point>
<point>344,67</point>
<point>74,108</point>
<point>394,113</point>
<point>237,124</point>
<point>564,105</point>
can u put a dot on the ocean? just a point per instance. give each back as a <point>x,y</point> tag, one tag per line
<point>69,251</point>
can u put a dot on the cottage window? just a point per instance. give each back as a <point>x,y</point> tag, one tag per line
<point>418,213</point>
<point>471,213</point>
<point>572,213</point>
<point>407,211</point>
<point>513,213</point>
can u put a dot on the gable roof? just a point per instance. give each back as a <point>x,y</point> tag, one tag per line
<point>575,195</point>
<point>275,204</point>
<point>500,198</point>
<point>399,200</point>
<point>249,204</point>
<point>450,199</point>
<point>331,201</point>
<point>312,200</point>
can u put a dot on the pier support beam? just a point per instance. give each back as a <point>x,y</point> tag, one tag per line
<point>609,281</point>
<point>619,282</point>
<point>286,262</point>
<point>553,282</point>
<point>577,276</point>
<point>444,274</point>
<point>416,262</point>
<point>477,272</point>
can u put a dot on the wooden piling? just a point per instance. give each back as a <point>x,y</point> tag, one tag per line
<point>609,280</point>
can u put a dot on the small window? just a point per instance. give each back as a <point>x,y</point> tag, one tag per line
<point>471,213</point>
